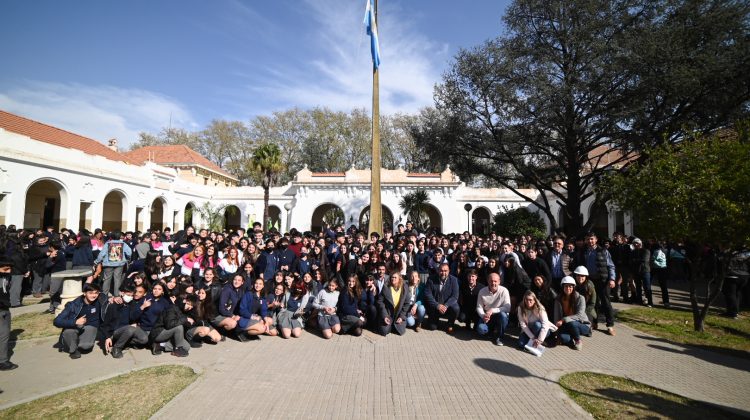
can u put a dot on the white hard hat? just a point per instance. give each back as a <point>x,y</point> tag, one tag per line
<point>581,270</point>
<point>567,280</point>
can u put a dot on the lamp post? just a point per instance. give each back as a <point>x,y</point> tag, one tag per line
<point>468,208</point>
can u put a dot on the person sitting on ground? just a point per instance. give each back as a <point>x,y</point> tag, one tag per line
<point>535,326</point>
<point>441,296</point>
<point>202,313</point>
<point>118,328</point>
<point>253,311</point>
<point>229,302</point>
<point>165,323</point>
<point>367,302</point>
<point>586,288</point>
<point>291,318</point>
<point>277,301</point>
<point>325,303</point>
<point>80,321</point>
<point>493,306</point>
<point>352,318</point>
<point>570,315</point>
<point>393,306</point>
<point>417,311</point>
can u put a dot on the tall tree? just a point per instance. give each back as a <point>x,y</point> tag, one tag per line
<point>266,162</point>
<point>578,88</point>
<point>696,191</point>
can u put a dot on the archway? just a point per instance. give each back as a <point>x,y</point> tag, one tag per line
<point>114,212</point>
<point>434,218</point>
<point>480,221</point>
<point>232,218</point>
<point>274,214</point>
<point>46,205</point>
<point>326,214</point>
<point>190,211</point>
<point>364,219</point>
<point>599,224</point>
<point>157,214</point>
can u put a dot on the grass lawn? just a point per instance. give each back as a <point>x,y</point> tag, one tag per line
<point>613,397</point>
<point>135,395</point>
<point>34,325</point>
<point>731,336</point>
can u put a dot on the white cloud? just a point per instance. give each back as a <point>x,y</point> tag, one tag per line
<point>99,112</point>
<point>341,77</point>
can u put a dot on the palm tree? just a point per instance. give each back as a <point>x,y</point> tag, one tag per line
<point>266,163</point>
<point>415,207</point>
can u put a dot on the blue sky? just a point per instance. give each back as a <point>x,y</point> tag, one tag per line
<point>110,68</point>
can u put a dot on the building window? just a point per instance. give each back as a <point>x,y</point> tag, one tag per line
<point>205,180</point>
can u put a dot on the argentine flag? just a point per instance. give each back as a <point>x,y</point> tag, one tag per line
<point>372,30</point>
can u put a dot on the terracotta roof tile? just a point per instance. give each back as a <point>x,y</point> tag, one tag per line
<point>174,155</point>
<point>57,136</point>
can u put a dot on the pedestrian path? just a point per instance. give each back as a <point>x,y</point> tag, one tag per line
<point>425,374</point>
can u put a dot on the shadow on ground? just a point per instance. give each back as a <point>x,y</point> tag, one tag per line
<point>735,359</point>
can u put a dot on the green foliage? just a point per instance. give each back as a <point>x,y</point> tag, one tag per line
<point>213,216</point>
<point>415,207</point>
<point>543,104</point>
<point>698,189</point>
<point>266,164</point>
<point>517,222</point>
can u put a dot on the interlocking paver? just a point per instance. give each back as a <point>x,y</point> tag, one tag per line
<point>419,375</point>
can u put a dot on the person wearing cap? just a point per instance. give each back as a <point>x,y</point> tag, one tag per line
<point>598,262</point>
<point>570,315</point>
<point>80,321</point>
<point>640,267</point>
<point>585,288</point>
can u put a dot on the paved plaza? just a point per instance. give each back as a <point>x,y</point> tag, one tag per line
<point>425,374</point>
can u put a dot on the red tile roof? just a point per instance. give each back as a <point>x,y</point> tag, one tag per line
<point>177,154</point>
<point>59,137</point>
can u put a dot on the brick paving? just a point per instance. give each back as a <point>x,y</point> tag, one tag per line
<point>419,375</point>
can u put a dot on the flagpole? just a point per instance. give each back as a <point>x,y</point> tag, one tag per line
<point>376,217</point>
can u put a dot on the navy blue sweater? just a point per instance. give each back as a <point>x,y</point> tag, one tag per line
<point>150,314</point>
<point>348,305</point>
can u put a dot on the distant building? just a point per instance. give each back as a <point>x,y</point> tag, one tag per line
<point>51,177</point>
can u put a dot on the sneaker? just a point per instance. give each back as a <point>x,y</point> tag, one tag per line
<point>180,352</point>
<point>116,353</point>
<point>611,331</point>
<point>8,365</point>
<point>156,349</point>
<point>578,344</point>
<point>195,344</point>
<point>49,311</point>
<point>498,342</point>
<point>75,355</point>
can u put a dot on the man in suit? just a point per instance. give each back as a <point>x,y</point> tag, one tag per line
<point>441,297</point>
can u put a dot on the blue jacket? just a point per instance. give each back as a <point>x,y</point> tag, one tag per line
<point>347,305</point>
<point>229,300</point>
<point>433,296</point>
<point>150,314</point>
<point>119,256</point>
<point>72,311</point>
<point>253,305</point>
<point>83,256</point>
<point>420,262</point>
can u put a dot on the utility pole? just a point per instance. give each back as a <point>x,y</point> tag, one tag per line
<point>376,216</point>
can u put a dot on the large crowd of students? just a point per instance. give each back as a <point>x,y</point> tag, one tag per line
<point>174,292</point>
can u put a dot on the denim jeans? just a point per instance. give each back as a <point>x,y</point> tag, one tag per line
<point>535,328</point>
<point>643,283</point>
<point>573,331</point>
<point>421,311</point>
<point>498,322</point>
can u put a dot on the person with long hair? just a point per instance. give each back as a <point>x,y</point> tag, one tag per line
<point>168,268</point>
<point>570,315</point>
<point>202,312</point>
<point>544,293</point>
<point>291,318</point>
<point>417,310</point>
<point>193,260</point>
<point>277,301</point>
<point>325,303</point>
<point>352,318</point>
<point>393,306</point>
<point>229,301</point>
<point>230,264</point>
<point>253,311</point>
<point>532,317</point>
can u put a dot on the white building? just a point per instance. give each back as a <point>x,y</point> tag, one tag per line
<point>49,176</point>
